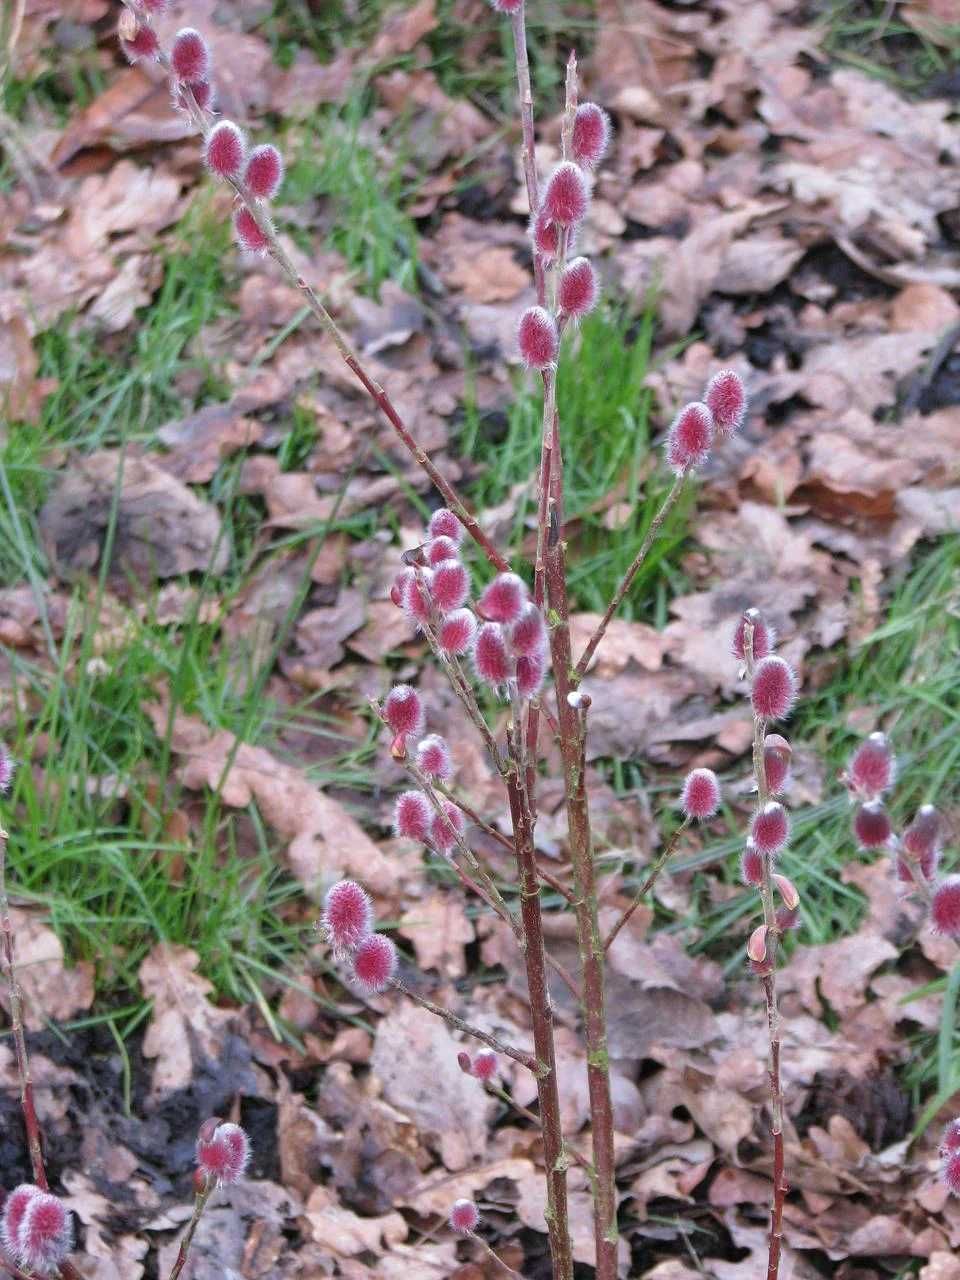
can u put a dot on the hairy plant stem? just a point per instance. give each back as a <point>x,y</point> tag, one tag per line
<point>769,984</point>
<point>541,1013</point>
<point>626,581</point>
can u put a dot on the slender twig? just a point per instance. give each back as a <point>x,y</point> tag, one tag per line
<point>648,884</point>
<point>15,993</point>
<point>27,1104</point>
<point>518,1055</point>
<point>198,1207</point>
<point>627,579</point>
<point>546,876</point>
<point>534,1119</point>
<point>203,122</point>
<point>494,1258</point>
<point>541,1014</point>
<point>769,984</point>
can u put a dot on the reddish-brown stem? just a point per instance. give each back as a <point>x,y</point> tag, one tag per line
<point>541,1014</point>
<point>627,579</point>
<point>648,884</point>
<point>525,96</point>
<point>199,1205</point>
<point>27,1105</point>
<point>518,1055</point>
<point>572,724</point>
<point>769,982</point>
<point>776,1093</point>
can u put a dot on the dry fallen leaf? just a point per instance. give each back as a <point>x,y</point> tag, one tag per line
<point>415,1058</point>
<point>162,529</point>
<point>325,842</point>
<point>185,1028</point>
<point>52,991</point>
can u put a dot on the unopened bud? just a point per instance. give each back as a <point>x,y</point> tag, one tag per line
<point>872,826</point>
<point>591,134</point>
<point>577,290</point>
<point>770,829</point>
<point>464,1214</point>
<point>347,915</point>
<point>412,816</point>
<point>485,1065</point>
<point>490,658</point>
<point>450,585</point>
<point>751,865</point>
<point>190,56</point>
<point>446,828</point>
<point>433,758</point>
<point>248,233</point>
<point>776,762</point>
<point>531,670</point>
<point>757,944</point>
<point>727,400</point>
<point>415,594</point>
<point>45,1233</point>
<point>690,438</point>
<point>457,632</point>
<point>774,689</point>
<point>504,599</point>
<point>567,195</point>
<point>445,524</point>
<point>945,907</point>
<point>921,840</point>
<point>404,711</point>
<point>872,766</point>
<point>788,892</point>
<point>374,963</point>
<point>225,150</point>
<point>545,235</point>
<point>764,636</point>
<point>786,918</point>
<point>264,172</point>
<point>141,45</point>
<point>441,549</point>
<point>464,1063</point>
<point>701,794</point>
<point>537,338</point>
